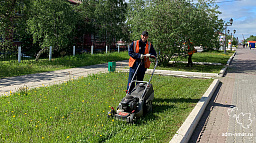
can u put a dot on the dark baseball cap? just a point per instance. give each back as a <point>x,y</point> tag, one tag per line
<point>144,33</point>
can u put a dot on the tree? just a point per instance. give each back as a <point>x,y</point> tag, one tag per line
<point>251,38</point>
<point>173,22</point>
<point>11,19</point>
<point>137,18</point>
<point>208,31</point>
<point>109,19</point>
<point>51,23</point>
<point>86,20</point>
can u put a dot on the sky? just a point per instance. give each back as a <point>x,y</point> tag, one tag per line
<point>243,13</point>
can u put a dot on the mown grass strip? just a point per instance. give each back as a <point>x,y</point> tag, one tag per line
<point>76,111</point>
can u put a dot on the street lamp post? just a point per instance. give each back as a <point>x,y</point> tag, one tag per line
<point>226,25</point>
<point>232,38</point>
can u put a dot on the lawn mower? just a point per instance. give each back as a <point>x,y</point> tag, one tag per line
<point>138,102</point>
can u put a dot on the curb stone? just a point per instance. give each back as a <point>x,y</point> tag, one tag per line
<point>223,71</point>
<point>186,130</point>
<point>230,59</point>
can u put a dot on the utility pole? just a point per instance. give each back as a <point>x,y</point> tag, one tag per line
<point>244,39</point>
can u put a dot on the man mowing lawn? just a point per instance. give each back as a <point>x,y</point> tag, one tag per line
<point>136,51</point>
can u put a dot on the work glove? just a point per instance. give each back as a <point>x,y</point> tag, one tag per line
<point>141,56</point>
<point>147,55</point>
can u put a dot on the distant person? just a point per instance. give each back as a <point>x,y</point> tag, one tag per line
<point>250,46</point>
<point>191,51</point>
<point>243,45</point>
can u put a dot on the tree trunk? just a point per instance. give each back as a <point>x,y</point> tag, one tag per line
<point>39,53</point>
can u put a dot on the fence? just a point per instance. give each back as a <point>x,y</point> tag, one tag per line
<point>8,53</point>
<point>16,53</point>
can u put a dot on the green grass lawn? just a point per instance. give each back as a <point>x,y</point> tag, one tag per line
<point>76,111</point>
<point>213,57</point>
<point>195,68</point>
<point>13,68</point>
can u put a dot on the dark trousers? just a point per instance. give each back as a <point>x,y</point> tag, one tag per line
<point>190,61</point>
<point>139,76</point>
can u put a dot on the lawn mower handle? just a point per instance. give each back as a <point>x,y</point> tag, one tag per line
<point>151,56</point>
<point>156,63</point>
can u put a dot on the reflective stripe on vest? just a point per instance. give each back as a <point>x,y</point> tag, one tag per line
<point>136,49</point>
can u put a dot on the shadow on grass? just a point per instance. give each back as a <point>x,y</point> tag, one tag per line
<point>161,106</point>
<point>175,100</point>
<point>151,116</point>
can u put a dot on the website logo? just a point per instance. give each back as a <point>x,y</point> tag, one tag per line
<point>244,119</point>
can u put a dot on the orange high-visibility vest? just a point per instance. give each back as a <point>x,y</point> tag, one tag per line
<point>136,49</point>
<point>190,52</point>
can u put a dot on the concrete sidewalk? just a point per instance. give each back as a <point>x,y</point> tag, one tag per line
<point>231,114</point>
<point>13,84</point>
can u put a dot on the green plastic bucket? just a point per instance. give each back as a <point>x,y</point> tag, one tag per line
<point>111,66</point>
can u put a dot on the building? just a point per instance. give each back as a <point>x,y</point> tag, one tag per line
<point>88,40</point>
<point>251,44</point>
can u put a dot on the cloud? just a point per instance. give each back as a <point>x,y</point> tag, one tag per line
<point>243,13</point>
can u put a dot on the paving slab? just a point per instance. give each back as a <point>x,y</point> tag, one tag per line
<point>231,114</point>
